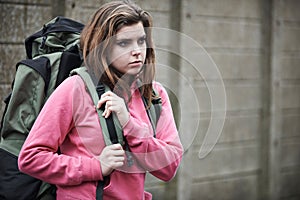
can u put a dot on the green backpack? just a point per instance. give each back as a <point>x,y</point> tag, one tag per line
<point>53,54</point>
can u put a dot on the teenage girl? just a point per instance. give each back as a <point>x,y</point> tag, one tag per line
<point>117,48</point>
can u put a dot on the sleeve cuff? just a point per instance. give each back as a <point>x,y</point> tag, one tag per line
<point>91,169</point>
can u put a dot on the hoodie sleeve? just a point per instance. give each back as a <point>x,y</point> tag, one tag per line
<point>52,128</point>
<point>161,155</point>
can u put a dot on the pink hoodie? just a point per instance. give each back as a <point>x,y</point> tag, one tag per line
<point>69,122</point>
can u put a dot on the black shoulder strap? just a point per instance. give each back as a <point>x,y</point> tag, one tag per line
<point>111,128</point>
<point>40,65</point>
<point>99,190</point>
<point>109,121</point>
<point>154,110</point>
<point>70,59</point>
<point>157,104</point>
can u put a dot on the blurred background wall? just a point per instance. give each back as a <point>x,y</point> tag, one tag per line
<point>255,47</point>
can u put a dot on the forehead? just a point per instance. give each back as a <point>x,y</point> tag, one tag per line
<point>131,31</point>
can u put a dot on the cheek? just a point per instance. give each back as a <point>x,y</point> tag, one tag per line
<point>119,60</point>
<point>117,55</point>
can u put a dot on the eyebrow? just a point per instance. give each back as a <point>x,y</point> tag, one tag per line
<point>130,39</point>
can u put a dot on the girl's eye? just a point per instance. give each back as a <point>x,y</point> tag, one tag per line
<point>142,41</point>
<point>122,43</point>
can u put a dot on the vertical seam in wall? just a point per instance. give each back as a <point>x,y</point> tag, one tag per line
<point>271,95</point>
<point>263,177</point>
<point>175,61</point>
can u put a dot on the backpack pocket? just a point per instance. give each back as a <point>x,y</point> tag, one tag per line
<point>13,183</point>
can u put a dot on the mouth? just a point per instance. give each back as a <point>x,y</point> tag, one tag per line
<point>136,62</point>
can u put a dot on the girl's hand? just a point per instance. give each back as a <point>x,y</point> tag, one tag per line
<point>111,157</point>
<point>116,104</point>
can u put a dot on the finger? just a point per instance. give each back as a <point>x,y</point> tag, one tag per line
<point>104,113</point>
<point>101,102</point>
<point>118,153</point>
<point>117,165</point>
<point>118,158</point>
<point>113,164</point>
<point>110,107</point>
<point>107,104</point>
<point>107,112</point>
<point>116,146</point>
<point>108,96</point>
<point>109,93</point>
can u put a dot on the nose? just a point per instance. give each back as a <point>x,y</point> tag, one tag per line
<point>136,51</point>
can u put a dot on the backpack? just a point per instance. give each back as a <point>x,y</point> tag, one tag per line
<point>53,52</point>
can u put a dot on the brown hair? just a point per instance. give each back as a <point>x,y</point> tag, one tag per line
<point>95,43</point>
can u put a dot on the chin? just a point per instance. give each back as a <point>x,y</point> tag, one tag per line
<point>134,72</point>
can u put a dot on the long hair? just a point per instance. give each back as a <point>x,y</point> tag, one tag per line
<point>96,38</point>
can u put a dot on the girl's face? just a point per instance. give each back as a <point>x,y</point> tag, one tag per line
<point>128,52</point>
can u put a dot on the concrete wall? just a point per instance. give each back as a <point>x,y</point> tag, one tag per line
<point>252,47</point>
<point>255,45</point>
<point>231,35</point>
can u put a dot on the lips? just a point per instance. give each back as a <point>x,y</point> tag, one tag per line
<point>136,63</point>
